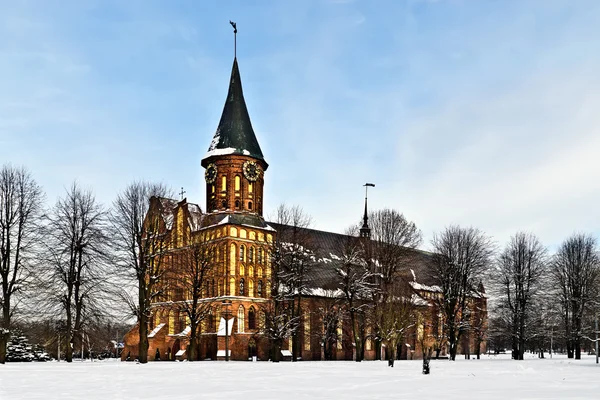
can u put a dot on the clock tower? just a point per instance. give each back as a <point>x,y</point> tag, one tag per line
<point>234,162</point>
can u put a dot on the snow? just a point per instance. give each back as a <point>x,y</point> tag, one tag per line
<point>492,378</point>
<point>220,152</point>
<point>155,330</point>
<point>221,331</point>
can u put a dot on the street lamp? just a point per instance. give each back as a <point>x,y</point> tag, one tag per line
<point>226,312</point>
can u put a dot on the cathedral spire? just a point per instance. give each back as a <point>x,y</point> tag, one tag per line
<point>365,231</point>
<point>234,134</point>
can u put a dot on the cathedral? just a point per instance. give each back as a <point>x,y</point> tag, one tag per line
<point>236,289</point>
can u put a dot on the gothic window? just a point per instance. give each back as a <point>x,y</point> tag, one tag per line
<point>259,288</point>
<point>223,183</point>
<point>249,205</point>
<point>224,204</point>
<point>250,288</point>
<point>306,331</point>
<point>251,318</point>
<point>242,252</point>
<point>250,187</point>
<point>237,205</point>
<point>251,254</point>
<point>237,183</point>
<point>241,291</point>
<point>241,319</point>
<point>211,321</point>
<point>260,256</point>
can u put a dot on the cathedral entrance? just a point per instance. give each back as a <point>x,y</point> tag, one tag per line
<point>252,349</point>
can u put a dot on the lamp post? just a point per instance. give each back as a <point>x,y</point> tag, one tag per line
<point>226,304</point>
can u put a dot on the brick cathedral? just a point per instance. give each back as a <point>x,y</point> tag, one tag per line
<point>237,289</point>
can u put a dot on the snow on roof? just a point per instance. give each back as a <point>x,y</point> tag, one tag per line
<point>220,152</point>
<point>418,286</point>
<point>221,331</point>
<point>320,292</point>
<point>155,330</point>
<point>419,301</point>
<point>195,216</point>
<point>286,353</point>
<point>185,332</point>
<point>221,353</point>
<point>180,353</point>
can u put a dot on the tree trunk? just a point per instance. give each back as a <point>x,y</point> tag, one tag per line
<point>4,337</point>
<point>193,348</point>
<point>143,323</point>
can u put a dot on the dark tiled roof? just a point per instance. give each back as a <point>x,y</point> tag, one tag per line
<point>234,134</point>
<point>328,247</point>
<point>234,218</point>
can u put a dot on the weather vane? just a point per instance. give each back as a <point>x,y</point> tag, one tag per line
<point>234,38</point>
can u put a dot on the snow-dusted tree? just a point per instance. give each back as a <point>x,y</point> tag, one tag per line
<point>190,278</point>
<point>357,283</point>
<point>395,316</point>
<point>575,271</point>
<point>140,241</point>
<point>390,251</point>
<point>462,257</point>
<point>278,325</point>
<point>518,276</point>
<point>20,208</point>
<point>293,256</point>
<point>77,260</point>
<point>19,349</point>
<point>331,314</point>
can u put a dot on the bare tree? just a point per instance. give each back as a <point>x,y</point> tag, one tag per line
<point>519,271</point>
<point>462,256</point>
<point>357,282</point>
<point>331,313</point>
<point>141,240</point>
<point>190,277</point>
<point>575,271</point>
<point>293,256</point>
<point>395,316</point>
<point>20,209</point>
<point>389,252</point>
<point>278,325</point>
<point>76,257</point>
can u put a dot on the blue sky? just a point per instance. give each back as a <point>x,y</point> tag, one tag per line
<point>473,112</point>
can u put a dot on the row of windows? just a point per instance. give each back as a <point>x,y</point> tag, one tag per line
<point>237,184</point>
<point>260,254</point>
<point>212,290</point>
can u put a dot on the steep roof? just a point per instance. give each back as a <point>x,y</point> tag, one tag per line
<point>328,247</point>
<point>234,134</point>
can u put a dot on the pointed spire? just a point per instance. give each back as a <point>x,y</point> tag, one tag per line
<point>365,231</point>
<point>235,134</point>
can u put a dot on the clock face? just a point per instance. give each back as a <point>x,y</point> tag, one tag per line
<point>251,170</point>
<point>211,173</point>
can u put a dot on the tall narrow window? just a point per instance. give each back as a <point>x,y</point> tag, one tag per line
<point>249,205</point>
<point>251,318</point>
<point>237,183</point>
<point>259,289</point>
<point>250,187</point>
<point>223,183</point>
<point>339,334</point>
<point>250,288</point>
<point>241,291</point>
<point>237,205</point>
<point>306,331</point>
<point>241,319</point>
<point>242,252</point>
<point>251,255</point>
<point>260,256</point>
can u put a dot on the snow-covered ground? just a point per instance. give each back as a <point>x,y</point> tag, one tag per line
<point>489,378</point>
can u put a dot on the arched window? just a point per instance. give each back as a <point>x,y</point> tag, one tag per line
<point>211,321</point>
<point>237,205</point>
<point>251,254</point>
<point>249,205</point>
<point>251,318</point>
<point>223,183</point>
<point>242,252</point>
<point>224,204</point>
<point>237,183</point>
<point>250,187</point>
<point>259,286</point>
<point>250,288</point>
<point>241,291</point>
<point>306,331</point>
<point>241,319</point>
<point>260,256</point>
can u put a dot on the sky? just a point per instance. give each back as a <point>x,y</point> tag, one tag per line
<point>470,112</point>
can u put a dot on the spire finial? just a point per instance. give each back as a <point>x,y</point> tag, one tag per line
<point>365,231</point>
<point>234,38</point>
